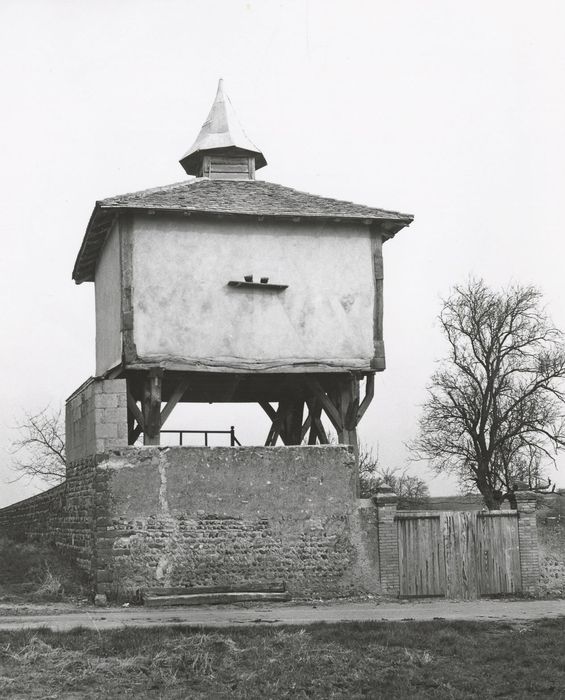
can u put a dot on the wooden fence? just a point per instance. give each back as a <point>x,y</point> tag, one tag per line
<point>458,554</point>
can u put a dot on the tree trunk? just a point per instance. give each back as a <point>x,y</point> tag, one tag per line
<point>493,499</point>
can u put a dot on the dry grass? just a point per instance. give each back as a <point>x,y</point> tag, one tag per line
<point>388,660</point>
<point>34,572</point>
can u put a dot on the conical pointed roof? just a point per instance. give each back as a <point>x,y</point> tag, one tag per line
<point>221,130</point>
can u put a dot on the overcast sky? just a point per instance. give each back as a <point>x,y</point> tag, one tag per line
<point>451,111</point>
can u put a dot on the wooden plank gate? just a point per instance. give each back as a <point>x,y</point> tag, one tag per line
<point>458,554</point>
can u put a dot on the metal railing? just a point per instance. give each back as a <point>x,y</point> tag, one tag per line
<point>231,432</point>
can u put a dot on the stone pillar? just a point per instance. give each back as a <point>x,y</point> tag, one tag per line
<point>386,501</point>
<point>96,418</point>
<point>528,539</point>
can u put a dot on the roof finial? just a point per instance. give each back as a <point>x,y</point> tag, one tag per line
<point>222,134</point>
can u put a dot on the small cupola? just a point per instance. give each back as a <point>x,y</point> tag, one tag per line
<point>222,150</point>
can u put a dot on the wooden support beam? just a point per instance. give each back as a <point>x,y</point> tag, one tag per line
<point>134,415</point>
<point>347,400</point>
<point>348,404</point>
<point>274,433</point>
<point>306,426</point>
<point>269,410</point>
<point>350,419</point>
<point>329,407</point>
<point>317,430</point>
<point>131,426</point>
<point>378,274</point>
<point>232,388</point>
<point>321,431</point>
<point>312,405</point>
<point>152,406</point>
<point>135,434</point>
<point>134,410</point>
<point>272,437</point>
<point>276,418</point>
<point>369,394</point>
<point>176,396</point>
<point>291,412</point>
<point>286,421</point>
<point>344,396</point>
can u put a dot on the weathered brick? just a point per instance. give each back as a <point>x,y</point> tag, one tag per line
<point>528,541</point>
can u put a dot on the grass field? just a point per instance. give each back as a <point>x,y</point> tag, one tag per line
<point>370,660</point>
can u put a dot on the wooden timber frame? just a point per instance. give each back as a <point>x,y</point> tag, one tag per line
<point>296,417</point>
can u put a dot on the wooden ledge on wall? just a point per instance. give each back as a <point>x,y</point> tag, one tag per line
<point>257,285</point>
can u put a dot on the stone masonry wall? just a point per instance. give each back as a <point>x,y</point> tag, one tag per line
<point>192,516</point>
<point>96,418</point>
<point>62,516</point>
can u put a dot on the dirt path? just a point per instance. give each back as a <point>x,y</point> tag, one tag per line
<point>223,616</point>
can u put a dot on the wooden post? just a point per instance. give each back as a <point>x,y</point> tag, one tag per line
<point>152,406</point>
<point>314,410</point>
<point>135,416</point>
<point>286,421</point>
<point>275,423</point>
<point>292,411</point>
<point>346,399</point>
<point>378,344</point>
<point>350,420</point>
<point>131,427</point>
<point>317,431</point>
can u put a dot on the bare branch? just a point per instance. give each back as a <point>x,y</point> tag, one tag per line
<point>408,487</point>
<point>495,412</point>
<point>39,451</point>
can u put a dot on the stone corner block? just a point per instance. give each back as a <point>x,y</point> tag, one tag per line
<point>100,600</point>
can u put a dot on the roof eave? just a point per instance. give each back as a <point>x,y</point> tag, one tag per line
<point>98,226</point>
<point>395,217</point>
<point>85,264</point>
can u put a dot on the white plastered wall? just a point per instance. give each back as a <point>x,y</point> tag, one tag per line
<point>184,311</point>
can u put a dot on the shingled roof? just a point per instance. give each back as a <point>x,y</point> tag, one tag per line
<point>241,198</point>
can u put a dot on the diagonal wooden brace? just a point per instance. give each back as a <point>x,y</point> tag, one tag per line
<point>317,430</point>
<point>330,409</point>
<point>134,410</point>
<point>176,396</point>
<point>369,394</point>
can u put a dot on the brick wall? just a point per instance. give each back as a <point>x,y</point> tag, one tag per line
<point>387,535</point>
<point>528,539</point>
<point>193,516</point>
<point>35,517</point>
<point>96,418</point>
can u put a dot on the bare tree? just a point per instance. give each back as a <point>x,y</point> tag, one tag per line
<point>495,408</point>
<point>410,489</point>
<point>40,448</point>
